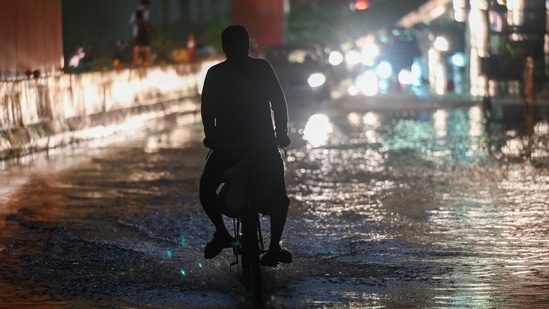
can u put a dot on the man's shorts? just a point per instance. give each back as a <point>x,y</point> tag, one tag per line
<point>265,175</point>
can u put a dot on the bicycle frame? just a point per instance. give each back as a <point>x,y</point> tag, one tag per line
<point>247,230</point>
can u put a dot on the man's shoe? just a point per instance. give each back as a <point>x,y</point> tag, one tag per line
<point>217,244</point>
<point>273,257</point>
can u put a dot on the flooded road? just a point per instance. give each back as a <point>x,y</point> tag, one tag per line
<point>414,206</point>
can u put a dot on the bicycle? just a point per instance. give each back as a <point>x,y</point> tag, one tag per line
<point>236,204</point>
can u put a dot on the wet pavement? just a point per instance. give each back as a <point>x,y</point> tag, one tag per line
<point>408,204</point>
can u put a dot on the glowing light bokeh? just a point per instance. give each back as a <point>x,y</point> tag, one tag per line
<point>335,58</point>
<point>405,77</point>
<point>384,70</point>
<point>317,130</point>
<point>316,80</point>
<point>371,119</point>
<point>370,51</point>
<point>353,57</point>
<point>441,43</point>
<point>367,83</point>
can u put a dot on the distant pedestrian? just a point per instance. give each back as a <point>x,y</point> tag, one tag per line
<point>79,54</point>
<point>144,8</point>
<point>142,41</point>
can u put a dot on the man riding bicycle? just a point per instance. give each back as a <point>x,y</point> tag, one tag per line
<point>240,98</point>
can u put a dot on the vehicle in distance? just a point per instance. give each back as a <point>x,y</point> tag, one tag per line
<point>303,69</point>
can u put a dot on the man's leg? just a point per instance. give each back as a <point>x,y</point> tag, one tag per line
<point>209,181</point>
<point>147,52</point>
<point>276,254</point>
<point>278,221</point>
<point>273,181</point>
<point>135,55</point>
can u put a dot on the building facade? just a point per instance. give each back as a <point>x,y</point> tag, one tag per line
<point>31,36</point>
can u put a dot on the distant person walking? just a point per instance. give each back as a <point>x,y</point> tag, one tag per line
<point>142,41</point>
<point>144,8</point>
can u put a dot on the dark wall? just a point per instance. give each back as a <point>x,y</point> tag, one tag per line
<point>99,24</point>
<point>264,20</point>
<point>30,37</point>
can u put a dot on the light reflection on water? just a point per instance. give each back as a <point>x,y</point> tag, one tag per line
<point>502,226</point>
<point>447,178</point>
<point>531,146</point>
<point>389,209</point>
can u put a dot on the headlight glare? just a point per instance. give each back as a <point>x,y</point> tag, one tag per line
<point>316,80</point>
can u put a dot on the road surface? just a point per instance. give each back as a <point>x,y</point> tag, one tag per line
<point>403,205</point>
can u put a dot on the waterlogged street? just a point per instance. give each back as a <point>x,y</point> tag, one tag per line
<point>399,205</point>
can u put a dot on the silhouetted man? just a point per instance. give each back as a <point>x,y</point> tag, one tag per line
<point>240,99</point>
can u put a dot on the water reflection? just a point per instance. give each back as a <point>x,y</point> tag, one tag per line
<point>500,223</point>
<point>390,209</point>
<point>476,127</point>
<point>371,120</point>
<point>440,118</point>
<point>532,145</point>
<point>460,181</point>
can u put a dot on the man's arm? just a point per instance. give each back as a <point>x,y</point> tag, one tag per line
<point>208,111</point>
<point>132,17</point>
<point>278,105</point>
<point>133,23</point>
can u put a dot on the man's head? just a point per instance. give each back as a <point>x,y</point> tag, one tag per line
<point>235,41</point>
<point>145,3</point>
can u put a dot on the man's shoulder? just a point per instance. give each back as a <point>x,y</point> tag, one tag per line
<point>250,63</point>
<point>260,65</point>
<point>220,70</point>
<point>218,66</point>
<point>260,61</point>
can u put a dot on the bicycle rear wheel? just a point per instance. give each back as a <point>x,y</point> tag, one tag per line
<point>251,265</point>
